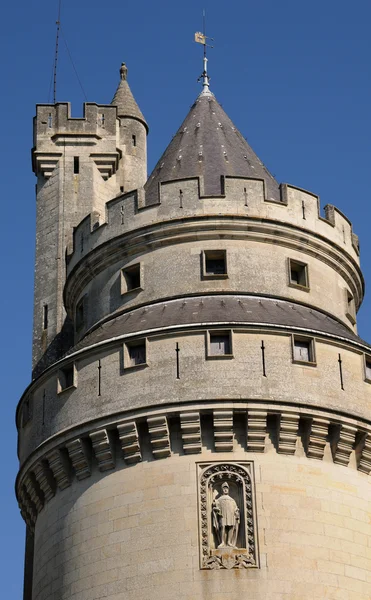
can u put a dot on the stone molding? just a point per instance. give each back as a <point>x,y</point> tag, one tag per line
<point>285,428</point>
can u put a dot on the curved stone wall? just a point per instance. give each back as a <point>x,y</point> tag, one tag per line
<point>104,386</point>
<point>175,268</point>
<point>134,530</point>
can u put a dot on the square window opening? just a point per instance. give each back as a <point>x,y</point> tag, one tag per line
<point>298,274</point>
<point>303,350</point>
<point>135,354</point>
<point>131,279</point>
<point>220,343</point>
<point>66,378</point>
<point>215,263</point>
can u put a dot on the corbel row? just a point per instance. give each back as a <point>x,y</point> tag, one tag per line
<point>128,440</point>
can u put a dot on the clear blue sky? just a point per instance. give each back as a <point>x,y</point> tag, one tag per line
<point>293,76</point>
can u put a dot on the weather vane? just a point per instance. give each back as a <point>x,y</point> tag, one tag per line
<point>201,38</point>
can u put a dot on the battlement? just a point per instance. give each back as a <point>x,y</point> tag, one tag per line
<point>54,121</point>
<point>183,199</point>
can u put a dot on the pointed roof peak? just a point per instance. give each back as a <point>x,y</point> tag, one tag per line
<point>125,101</point>
<point>209,146</point>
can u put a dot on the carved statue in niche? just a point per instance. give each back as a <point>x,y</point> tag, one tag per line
<point>227,516</point>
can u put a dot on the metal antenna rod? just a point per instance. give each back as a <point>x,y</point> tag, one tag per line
<point>58,23</point>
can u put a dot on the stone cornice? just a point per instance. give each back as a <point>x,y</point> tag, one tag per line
<point>290,429</point>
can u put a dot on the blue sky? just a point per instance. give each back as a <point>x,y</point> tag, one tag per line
<point>293,76</point>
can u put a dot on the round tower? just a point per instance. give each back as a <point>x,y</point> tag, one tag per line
<point>207,436</point>
<point>133,131</point>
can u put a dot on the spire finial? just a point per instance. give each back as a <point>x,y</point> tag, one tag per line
<point>201,38</point>
<point>123,71</point>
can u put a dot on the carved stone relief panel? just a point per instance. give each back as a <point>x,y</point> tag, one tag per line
<point>227,516</point>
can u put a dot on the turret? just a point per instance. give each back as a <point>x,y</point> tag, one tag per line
<point>80,164</point>
<point>133,131</point>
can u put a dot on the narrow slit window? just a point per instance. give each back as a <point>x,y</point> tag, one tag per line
<point>220,344</point>
<point>134,140</point>
<point>50,120</point>
<point>76,165</point>
<point>303,350</point>
<point>298,273</point>
<point>102,119</point>
<point>215,263</point>
<point>45,316</point>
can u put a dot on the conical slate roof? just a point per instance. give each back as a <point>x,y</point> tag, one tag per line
<point>124,99</point>
<point>208,145</point>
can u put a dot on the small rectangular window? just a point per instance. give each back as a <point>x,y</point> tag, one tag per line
<point>350,307</point>
<point>101,119</point>
<point>135,354</point>
<point>76,165</point>
<point>80,313</point>
<point>134,140</point>
<point>219,344</point>
<point>368,368</point>
<point>298,274</point>
<point>66,378</point>
<point>131,279</point>
<point>214,264</point>
<point>50,120</point>
<point>303,350</point>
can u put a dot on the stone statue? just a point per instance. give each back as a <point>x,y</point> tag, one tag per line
<point>226,518</point>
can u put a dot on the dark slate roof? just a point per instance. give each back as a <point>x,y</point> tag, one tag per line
<point>224,309</point>
<point>208,145</point>
<point>124,99</point>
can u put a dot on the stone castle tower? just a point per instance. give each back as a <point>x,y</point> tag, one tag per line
<point>198,426</point>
